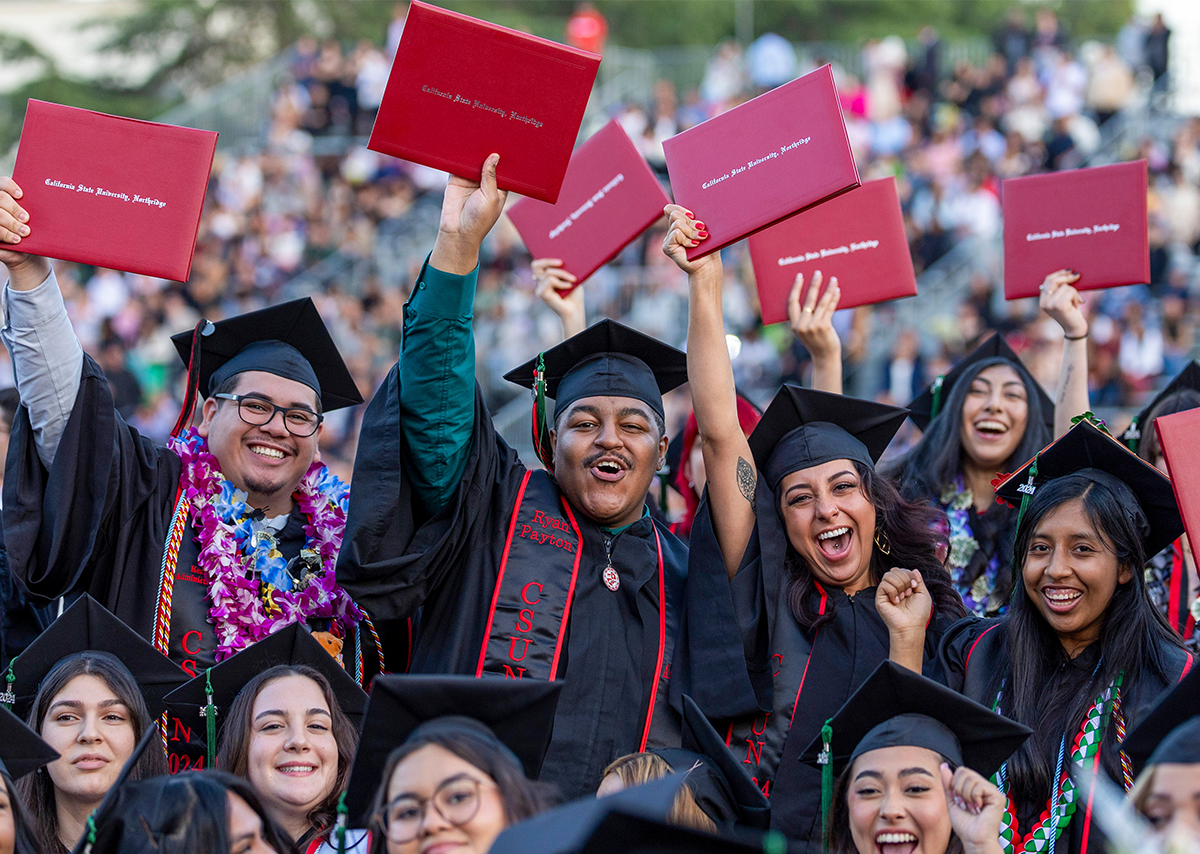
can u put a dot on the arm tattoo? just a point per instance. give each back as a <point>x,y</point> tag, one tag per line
<point>1062,394</point>
<point>746,480</point>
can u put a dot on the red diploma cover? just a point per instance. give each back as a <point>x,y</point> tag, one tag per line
<point>462,88</point>
<point>1179,437</point>
<point>858,237</point>
<point>609,197</point>
<point>1092,221</point>
<point>111,191</point>
<point>763,161</point>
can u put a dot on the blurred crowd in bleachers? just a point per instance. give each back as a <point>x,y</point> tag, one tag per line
<point>360,223</point>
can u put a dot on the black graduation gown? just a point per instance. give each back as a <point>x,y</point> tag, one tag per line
<point>771,684</point>
<point>970,655</point>
<point>396,559</point>
<point>97,523</point>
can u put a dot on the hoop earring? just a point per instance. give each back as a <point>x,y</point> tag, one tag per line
<point>882,542</point>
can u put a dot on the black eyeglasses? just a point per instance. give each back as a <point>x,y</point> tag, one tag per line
<point>254,410</point>
<point>456,800</point>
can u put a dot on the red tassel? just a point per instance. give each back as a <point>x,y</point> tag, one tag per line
<point>193,382</point>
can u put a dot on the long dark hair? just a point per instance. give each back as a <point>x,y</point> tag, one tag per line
<point>1179,401</point>
<point>37,789</point>
<point>523,798</point>
<point>840,839</point>
<point>233,754</point>
<point>1133,641</point>
<point>914,537</point>
<point>936,460</point>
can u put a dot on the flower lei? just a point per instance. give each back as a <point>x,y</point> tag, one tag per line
<point>1059,810</point>
<point>957,500</point>
<point>240,566</point>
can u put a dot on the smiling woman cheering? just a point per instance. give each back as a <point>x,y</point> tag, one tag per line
<point>801,581</point>
<point>1082,652</point>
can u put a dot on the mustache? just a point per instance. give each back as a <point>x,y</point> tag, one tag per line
<point>608,455</point>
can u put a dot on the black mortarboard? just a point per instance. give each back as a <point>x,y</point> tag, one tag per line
<point>1142,490</point>
<point>293,644</point>
<point>1188,378</point>
<point>896,707</point>
<point>23,750</point>
<point>607,360</point>
<point>1171,730</point>
<point>569,828</point>
<point>927,405</point>
<point>88,627</point>
<point>636,834</point>
<point>803,428</point>
<point>516,714</point>
<point>719,782</point>
<point>288,340</point>
<point>120,822</point>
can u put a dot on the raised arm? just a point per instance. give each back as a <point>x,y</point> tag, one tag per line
<point>727,460</point>
<point>437,354</point>
<point>552,283</point>
<point>47,357</point>
<point>812,323</point>
<point>1063,303</point>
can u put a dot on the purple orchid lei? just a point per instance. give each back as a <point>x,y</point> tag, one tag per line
<point>239,613</point>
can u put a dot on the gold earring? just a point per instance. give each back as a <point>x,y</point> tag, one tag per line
<point>882,542</point>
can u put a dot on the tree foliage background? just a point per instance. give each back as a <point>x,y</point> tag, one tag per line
<point>198,43</point>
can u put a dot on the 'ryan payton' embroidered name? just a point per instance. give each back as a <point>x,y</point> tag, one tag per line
<point>111,194</point>
<point>546,536</point>
<point>586,206</point>
<point>1056,233</point>
<point>755,161</point>
<point>845,249</point>
<point>476,104</point>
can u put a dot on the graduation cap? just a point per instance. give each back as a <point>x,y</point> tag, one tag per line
<point>88,627</point>
<point>1188,378</point>
<point>719,782</point>
<point>210,694</point>
<point>607,359</point>
<point>1142,490</point>
<point>928,404</point>
<point>288,340</point>
<point>23,750</point>
<point>895,707</point>
<point>1171,730</point>
<point>516,714</point>
<point>803,428</point>
<point>119,824</point>
<point>571,828</point>
<point>630,833</point>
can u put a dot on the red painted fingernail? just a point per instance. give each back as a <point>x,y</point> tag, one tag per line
<point>690,214</point>
<point>701,226</point>
<point>703,234</point>
<point>694,242</point>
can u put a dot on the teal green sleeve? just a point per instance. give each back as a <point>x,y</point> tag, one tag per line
<point>437,383</point>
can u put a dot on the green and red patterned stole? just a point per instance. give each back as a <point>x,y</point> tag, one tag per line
<point>1062,802</point>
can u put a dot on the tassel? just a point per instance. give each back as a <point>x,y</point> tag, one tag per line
<point>774,842</point>
<point>825,760</point>
<point>9,696</point>
<point>936,406</point>
<point>209,713</point>
<point>90,834</point>
<point>203,328</point>
<point>1026,489</point>
<point>339,829</point>
<point>541,434</point>
<point>1133,434</point>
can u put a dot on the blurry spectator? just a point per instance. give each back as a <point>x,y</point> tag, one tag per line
<point>1156,47</point>
<point>724,75</point>
<point>1065,87</point>
<point>1013,41</point>
<point>126,391</point>
<point>396,28</point>
<point>1110,84</point>
<point>884,62</point>
<point>1060,146</point>
<point>1026,114</point>
<point>1141,353</point>
<point>1049,37</point>
<point>371,77</point>
<point>928,71</point>
<point>1131,42</point>
<point>904,373</point>
<point>771,60</point>
<point>587,29</point>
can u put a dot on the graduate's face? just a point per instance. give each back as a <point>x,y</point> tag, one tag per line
<point>994,416</point>
<point>92,729</point>
<point>897,803</point>
<point>1172,804</point>
<point>606,451</point>
<point>264,460</point>
<point>8,826</point>
<point>439,803</point>
<point>830,521</point>
<point>245,829</point>
<point>1070,574</point>
<point>293,756</point>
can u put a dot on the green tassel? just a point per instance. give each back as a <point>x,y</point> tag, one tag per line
<point>541,434</point>
<point>9,696</point>
<point>825,760</point>
<point>936,406</point>
<point>774,842</point>
<point>1027,489</point>
<point>90,834</point>
<point>1133,435</point>
<point>209,713</point>
<point>339,829</point>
